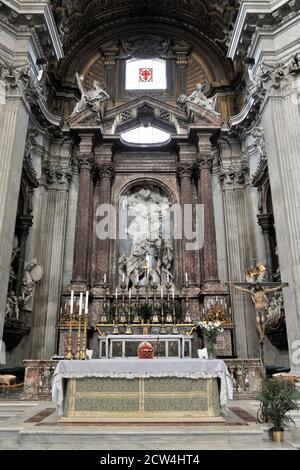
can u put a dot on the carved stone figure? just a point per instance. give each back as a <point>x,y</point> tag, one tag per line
<point>198,98</point>
<point>275,311</point>
<point>12,311</point>
<point>164,259</point>
<point>137,259</point>
<point>93,99</point>
<point>32,275</point>
<point>148,215</point>
<point>260,145</point>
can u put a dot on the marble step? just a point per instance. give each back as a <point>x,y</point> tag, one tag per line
<point>83,435</point>
<point>9,433</point>
<point>16,407</point>
<point>4,415</point>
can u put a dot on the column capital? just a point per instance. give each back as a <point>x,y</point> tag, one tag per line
<point>57,176</point>
<point>234,175</point>
<point>106,170</point>
<point>15,78</point>
<point>205,161</point>
<point>185,169</point>
<point>85,161</point>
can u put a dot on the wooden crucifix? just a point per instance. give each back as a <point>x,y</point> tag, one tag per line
<point>258,291</point>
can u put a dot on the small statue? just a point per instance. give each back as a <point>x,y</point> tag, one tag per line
<point>275,311</point>
<point>90,98</point>
<point>261,302</point>
<point>12,311</point>
<point>32,275</point>
<point>294,67</point>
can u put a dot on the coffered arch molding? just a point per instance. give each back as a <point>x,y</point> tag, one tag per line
<point>86,50</point>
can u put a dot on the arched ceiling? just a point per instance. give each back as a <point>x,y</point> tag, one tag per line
<point>85,25</point>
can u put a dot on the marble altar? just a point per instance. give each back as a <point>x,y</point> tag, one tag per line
<point>135,388</point>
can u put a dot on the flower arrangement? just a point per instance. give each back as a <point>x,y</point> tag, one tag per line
<point>210,331</point>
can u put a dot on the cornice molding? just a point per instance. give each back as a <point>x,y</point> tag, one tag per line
<point>32,11</point>
<point>255,17</point>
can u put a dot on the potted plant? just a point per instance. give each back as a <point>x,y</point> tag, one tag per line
<point>277,397</point>
<point>210,331</point>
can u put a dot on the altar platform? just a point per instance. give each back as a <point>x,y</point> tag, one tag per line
<point>133,389</point>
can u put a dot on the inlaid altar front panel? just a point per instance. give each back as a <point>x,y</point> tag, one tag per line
<point>155,397</point>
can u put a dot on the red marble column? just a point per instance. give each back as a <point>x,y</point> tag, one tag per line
<point>210,261</point>
<point>185,172</point>
<point>106,171</point>
<point>82,231</point>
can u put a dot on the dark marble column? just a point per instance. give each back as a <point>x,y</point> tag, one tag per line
<point>25,222</point>
<point>210,261</point>
<point>106,172</point>
<point>83,222</point>
<point>185,172</point>
<point>266,222</point>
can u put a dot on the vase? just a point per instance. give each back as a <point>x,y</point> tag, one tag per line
<point>210,350</point>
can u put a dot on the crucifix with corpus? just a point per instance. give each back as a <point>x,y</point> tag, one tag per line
<point>258,289</point>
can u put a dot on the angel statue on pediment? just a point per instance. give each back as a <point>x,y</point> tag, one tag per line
<point>198,98</point>
<point>93,98</point>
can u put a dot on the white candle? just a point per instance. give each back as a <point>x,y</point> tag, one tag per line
<point>168,278</point>
<point>162,292</point>
<point>117,294</point>
<point>61,311</point>
<point>129,294</point>
<point>137,278</point>
<point>123,277</point>
<point>173,293</point>
<point>186,277</point>
<point>80,303</point>
<point>87,302</point>
<point>154,278</point>
<point>72,303</point>
<point>104,278</point>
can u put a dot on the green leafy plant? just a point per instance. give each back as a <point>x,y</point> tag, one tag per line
<point>277,397</point>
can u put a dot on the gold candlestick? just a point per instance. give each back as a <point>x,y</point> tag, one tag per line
<point>78,350</point>
<point>187,317</point>
<point>116,330</point>
<point>155,318</point>
<point>128,326</point>
<point>104,316</point>
<point>70,355</point>
<point>83,353</point>
<point>162,330</point>
<point>175,329</point>
<point>136,318</point>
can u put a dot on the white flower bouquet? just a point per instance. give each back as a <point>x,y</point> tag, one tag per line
<point>210,331</point>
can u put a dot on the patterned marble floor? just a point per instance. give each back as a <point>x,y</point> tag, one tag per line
<point>34,426</point>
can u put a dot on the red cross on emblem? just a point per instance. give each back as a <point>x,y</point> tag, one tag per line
<point>146,75</point>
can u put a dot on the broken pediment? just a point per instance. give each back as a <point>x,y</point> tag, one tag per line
<point>146,111</point>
